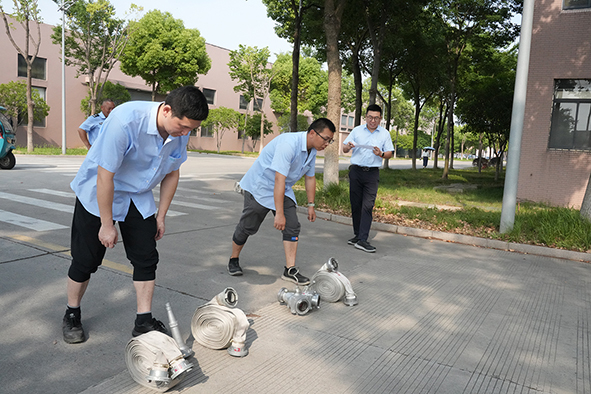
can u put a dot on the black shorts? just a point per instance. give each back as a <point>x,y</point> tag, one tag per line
<point>138,236</point>
<point>254,213</point>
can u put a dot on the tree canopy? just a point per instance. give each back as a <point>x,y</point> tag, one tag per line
<point>164,53</point>
<point>13,97</point>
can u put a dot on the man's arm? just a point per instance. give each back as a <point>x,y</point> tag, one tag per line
<point>167,190</point>
<point>84,137</point>
<point>310,182</point>
<point>278,196</point>
<point>104,194</point>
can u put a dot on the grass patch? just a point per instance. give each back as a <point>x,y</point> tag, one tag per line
<point>477,211</point>
<point>50,150</point>
<point>227,152</point>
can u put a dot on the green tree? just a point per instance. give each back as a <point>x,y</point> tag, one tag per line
<point>252,127</point>
<point>486,95</point>
<point>284,123</point>
<point>13,97</point>
<point>221,120</point>
<point>114,91</point>
<point>94,42</point>
<point>26,13</point>
<point>249,66</point>
<point>312,87</point>
<point>164,53</point>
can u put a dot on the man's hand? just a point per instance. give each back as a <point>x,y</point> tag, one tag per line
<point>279,222</point>
<point>108,235</point>
<point>311,214</point>
<point>377,151</point>
<point>348,146</point>
<point>160,228</point>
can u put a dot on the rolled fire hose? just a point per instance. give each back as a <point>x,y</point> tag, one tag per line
<point>155,361</point>
<point>219,325</point>
<point>332,285</point>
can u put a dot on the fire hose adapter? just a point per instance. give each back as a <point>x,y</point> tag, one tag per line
<point>299,302</point>
<point>220,325</point>
<point>154,360</point>
<point>332,285</point>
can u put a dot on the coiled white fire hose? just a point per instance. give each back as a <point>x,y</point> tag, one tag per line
<point>155,361</point>
<point>219,325</point>
<point>332,285</point>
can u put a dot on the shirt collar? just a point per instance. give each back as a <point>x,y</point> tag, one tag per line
<point>153,125</point>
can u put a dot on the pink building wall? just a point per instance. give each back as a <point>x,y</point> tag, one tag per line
<point>561,49</point>
<point>217,79</point>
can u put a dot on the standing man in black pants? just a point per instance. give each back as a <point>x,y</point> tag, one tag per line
<point>370,144</point>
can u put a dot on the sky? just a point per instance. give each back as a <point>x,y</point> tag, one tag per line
<point>224,23</point>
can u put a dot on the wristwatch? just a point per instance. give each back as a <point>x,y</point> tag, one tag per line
<point>382,154</point>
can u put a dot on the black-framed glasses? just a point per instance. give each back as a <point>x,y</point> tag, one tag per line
<point>373,118</point>
<point>325,139</point>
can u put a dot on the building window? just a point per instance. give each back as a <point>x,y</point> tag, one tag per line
<point>574,4</point>
<point>37,70</point>
<point>209,95</point>
<point>571,115</point>
<point>259,105</point>
<point>343,120</point>
<point>207,131</point>
<point>24,117</point>
<point>243,103</point>
<point>351,121</point>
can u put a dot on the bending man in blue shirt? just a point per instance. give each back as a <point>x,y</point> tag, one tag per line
<point>142,144</point>
<point>370,144</point>
<point>268,185</point>
<point>90,128</point>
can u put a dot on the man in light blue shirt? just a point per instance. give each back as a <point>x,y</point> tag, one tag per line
<point>142,144</point>
<point>268,185</point>
<point>370,144</point>
<point>90,128</point>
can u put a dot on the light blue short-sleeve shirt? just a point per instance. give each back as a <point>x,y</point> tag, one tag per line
<point>361,135</point>
<point>130,146</point>
<point>92,126</point>
<point>286,154</point>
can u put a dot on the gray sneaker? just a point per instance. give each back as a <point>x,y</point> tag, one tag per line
<point>292,274</point>
<point>72,329</point>
<point>234,267</point>
<point>353,240</point>
<point>365,246</point>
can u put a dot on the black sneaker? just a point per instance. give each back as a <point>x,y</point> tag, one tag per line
<point>353,240</point>
<point>72,329</point>
<point>292,274</point>
<point>234,267</point>
<point>152,325</point>
<point>365,246</point>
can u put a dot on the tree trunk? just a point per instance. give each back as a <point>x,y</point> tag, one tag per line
<point>295,74</point>
<point>333,11</point>
<point>30,108</point>
<point>586,205</point>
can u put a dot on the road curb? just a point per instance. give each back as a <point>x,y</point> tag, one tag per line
<point>462,239</point>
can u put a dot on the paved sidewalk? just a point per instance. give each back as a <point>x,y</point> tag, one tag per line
<point>434,317</point>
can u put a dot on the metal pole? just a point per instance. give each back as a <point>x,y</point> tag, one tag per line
<point>63,8</point>
<point>517,117</point>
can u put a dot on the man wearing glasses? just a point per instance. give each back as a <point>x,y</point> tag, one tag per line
<point>267,186</point>
<point>370,143</point>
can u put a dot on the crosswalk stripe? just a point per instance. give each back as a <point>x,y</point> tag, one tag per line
<point>54,192</point>
<point>28,222</point>
<point>193,205</point>
<point>38,203</point>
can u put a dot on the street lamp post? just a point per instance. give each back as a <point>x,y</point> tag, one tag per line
<point>65,5</point>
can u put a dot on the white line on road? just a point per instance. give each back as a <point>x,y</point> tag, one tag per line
<point>28,222</point>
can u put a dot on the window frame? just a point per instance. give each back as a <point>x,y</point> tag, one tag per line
<point>206,131</point>
<point>36,66</point>
<point>209,95</point>
<point>575,7</point>
<point>567,101</point>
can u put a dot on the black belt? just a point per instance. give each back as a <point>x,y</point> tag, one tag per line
<point>364,168</point>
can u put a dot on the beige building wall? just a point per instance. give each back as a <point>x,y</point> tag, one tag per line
<point>217,79</point>
<point>561,49</point>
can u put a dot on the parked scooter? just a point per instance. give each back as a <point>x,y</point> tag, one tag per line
<point>7,141</point>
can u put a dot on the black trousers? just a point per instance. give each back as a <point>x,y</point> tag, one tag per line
<point>363,189</point>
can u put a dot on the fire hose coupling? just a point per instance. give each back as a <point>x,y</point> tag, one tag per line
<point>154,360</point>
<point>332,285</point>
<point>220,325</point>
<point>176,333</point>
<point>299,302</point>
